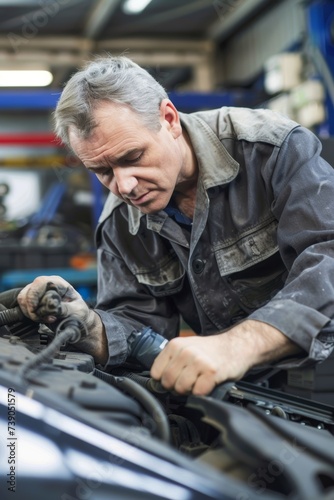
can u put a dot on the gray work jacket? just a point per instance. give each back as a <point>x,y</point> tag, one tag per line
<point>261,244</point>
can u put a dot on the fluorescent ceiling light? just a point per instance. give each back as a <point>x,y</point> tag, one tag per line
<point>21,3</point>
<point>135,6</point>
<point>25,78</point>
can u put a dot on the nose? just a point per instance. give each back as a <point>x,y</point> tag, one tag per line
<point>125,183</point>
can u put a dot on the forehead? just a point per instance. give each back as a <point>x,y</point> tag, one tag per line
<point>117,114</point>
<point>115,120</point>
<point>117,128</point>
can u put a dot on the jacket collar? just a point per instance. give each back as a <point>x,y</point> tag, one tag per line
<point>216,165</point>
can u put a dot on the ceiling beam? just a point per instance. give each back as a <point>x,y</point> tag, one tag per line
<point>16,22</point>
<point>39,58</point>
<point>73,43</point>
<point>50,43</point>
<point>73,51</point>
<point>169,15</point>
<point>152,44</point>
<point>231,15</point>
<point>65,56</point>
<point>99,16</point>
<point>65,59</point>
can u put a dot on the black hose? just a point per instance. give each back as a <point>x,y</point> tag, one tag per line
<point>45,355</point>
<point>9,298</point>
<point>9,316</point>
<point>140,379</point>
<point>68,331</point>
<point>149,403</point>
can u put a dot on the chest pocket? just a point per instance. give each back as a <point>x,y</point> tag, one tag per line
<point>252,267</point>
<point>250,248</point>
<point>164,278</point>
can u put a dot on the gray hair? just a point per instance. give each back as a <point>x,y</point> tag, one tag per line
<point>115,79</point>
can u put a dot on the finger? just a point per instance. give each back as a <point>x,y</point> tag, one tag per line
<point>29,299</point>
<point>159,365</point>
<point>163,360</point>
<point>204,384</point>
<point>21,300</point>
<point>185,380</point>
<point>181,371</point>
<point>197,375</point>
<point>65,289</point>
<point>49,304</point>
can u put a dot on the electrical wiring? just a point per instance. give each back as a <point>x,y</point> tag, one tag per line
<point>70,330</point>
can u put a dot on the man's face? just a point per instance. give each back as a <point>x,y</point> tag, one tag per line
<point>140,166</point>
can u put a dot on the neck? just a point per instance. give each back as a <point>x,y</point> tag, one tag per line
<point>185,190</point>
<point>186,202</point>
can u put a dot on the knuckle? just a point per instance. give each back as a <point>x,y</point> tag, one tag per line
<point>186,354</point>
<point>182,388</point>
<point>167,380</point>
<point>175,343</point>
<point>42,279</point>
<point>154,372</point>
<point>203,386</point>
<point>20,297</point>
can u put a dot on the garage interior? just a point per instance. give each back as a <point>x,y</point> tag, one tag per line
<point>270,54</point>
<point>206,53</point>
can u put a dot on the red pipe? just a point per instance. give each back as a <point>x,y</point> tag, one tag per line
<point>37,139</point>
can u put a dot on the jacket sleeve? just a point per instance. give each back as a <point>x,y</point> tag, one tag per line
<point>123,303</point>
<point>301,185</point>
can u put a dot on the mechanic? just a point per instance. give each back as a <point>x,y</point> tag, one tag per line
<point>223,217</point>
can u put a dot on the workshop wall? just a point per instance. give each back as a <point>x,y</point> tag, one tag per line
<point>275,30</point>
<point>46,200</point>
<point>207,54</point>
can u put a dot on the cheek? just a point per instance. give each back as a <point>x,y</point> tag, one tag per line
<point>104,180</point>
<point>109,183</point>
<point>171,171</point>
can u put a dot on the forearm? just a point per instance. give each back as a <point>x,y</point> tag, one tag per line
<point>260,343</point>
<point>95,342</point>
<point>196,364</point>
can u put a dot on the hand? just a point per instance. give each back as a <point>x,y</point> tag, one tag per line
<point>198,364</point>
<point>72,304</point>
<point>32,305</point>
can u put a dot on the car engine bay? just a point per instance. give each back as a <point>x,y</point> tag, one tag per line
<point>73,431</point>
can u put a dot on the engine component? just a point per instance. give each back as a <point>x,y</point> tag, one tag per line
<point>146,345</point>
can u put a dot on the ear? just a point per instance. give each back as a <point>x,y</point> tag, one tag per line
<point>169,117</point>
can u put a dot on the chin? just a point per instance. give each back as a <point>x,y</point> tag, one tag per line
<point>152,208</point>
<point>149,210</point>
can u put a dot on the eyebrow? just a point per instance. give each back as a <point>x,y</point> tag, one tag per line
<point>125,156</point>
<point>114,159</point>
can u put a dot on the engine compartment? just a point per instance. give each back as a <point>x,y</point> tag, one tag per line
<point>243,441</point>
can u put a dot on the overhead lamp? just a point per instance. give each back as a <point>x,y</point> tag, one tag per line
<point>25,78</point>
<point>135,6</point>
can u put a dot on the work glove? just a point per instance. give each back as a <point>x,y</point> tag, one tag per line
<point>38,303</point>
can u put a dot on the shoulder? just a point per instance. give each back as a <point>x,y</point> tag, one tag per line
<point>252,125</point>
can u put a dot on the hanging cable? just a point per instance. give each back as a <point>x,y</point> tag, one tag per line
<point>148,402</point>
<point>69,331</point>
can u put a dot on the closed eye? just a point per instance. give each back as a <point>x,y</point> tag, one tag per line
<point>104,172</point>
<point>130,160</point>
